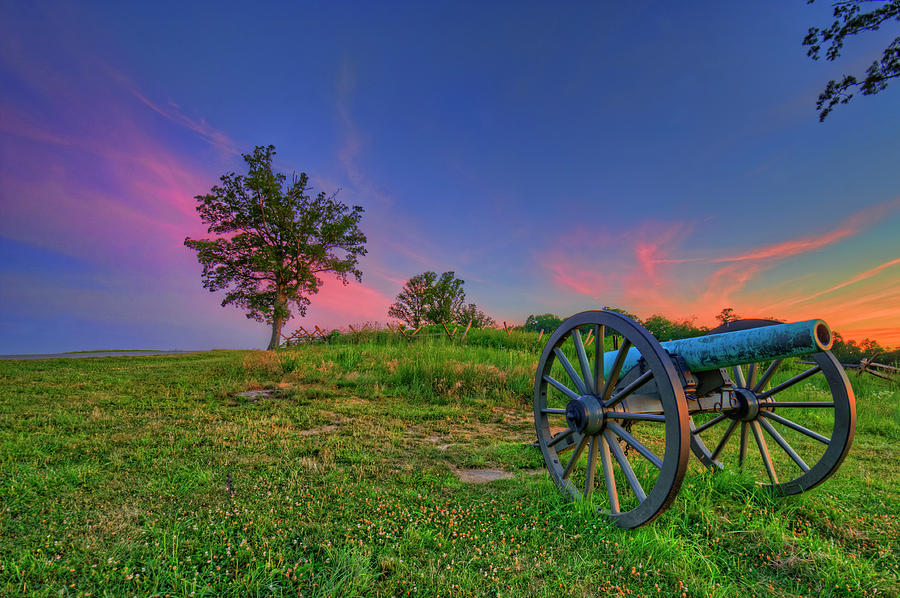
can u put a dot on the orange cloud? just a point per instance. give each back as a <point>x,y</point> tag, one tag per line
<point>858,278</point>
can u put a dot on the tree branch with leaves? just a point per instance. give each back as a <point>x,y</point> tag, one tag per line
<point>849,19</point>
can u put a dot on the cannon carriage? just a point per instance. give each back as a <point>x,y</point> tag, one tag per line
<point>615,425</point>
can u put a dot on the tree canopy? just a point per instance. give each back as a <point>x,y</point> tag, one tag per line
<point>727,315</point>
<point>273,241</point>
<point>470,314</point>
<point>447,298</point>
<point>849,19</point>
<point>427,298</point>
<point>414,299</point>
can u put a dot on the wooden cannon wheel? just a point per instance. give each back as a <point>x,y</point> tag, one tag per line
<point>583,428</point>
<point>810,431</point>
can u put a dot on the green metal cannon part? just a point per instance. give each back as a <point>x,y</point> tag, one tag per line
<point>625,419</point>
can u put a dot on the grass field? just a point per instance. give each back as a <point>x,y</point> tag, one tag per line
<point>151,476</point>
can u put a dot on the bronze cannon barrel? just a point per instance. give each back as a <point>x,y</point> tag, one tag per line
<point>716,351</point>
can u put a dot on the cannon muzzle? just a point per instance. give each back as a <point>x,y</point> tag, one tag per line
<point>716,351</point>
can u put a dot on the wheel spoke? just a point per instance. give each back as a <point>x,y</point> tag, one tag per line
<point>628,390</point>
<point>751,375</point>
<point>710,423</point>
<point>764,451</point>
<point>560,437</point>
<point>562,388</point>
<point>549,411</point>
<point>599,342</point>
<point>626,467</point>
<point>576,455</point>
<point>743,453</point>
<point>724,440</point>
<point>591,467</point>
<point>817,404</point>
<point>788,383</point>
<point>586,375</point>
<point>579,384</point>
<point>770,371</point>
<point>783,444</point>
<point>616,369</point>
<point>795,426</point>
<point>738,374</point>
<point>635,443</point>
<point>644,417</point>
<point>609,475</point>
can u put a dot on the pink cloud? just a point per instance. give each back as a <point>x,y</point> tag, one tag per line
<point>793,247</point>
<point>583,281</point>
<point>336,305</point>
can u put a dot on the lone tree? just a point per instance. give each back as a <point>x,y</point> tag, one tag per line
<point>850,20</point>
<point>427,298</point>
<point>727,315</point>
<point>273,241</point>
<point>413,301</point>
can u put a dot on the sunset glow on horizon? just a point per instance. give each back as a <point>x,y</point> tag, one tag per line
<point>556,159</point>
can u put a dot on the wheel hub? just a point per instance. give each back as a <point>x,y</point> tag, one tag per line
<point>748,405</point>
<point>585,414</point>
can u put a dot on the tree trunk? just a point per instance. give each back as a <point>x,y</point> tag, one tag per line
<point>276,334</point>
<point>277,323</point>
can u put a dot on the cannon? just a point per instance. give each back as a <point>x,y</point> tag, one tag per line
<point>623,413</point>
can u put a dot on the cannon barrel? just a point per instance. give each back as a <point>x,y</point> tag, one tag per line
<point>742,346</point>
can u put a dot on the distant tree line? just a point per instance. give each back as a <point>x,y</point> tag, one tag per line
<point>853,352</point>
<point>659,326</point>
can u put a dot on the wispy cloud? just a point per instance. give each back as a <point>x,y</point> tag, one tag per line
<point>351,145</point>
<point>394,232</point>
<point>172,112</point>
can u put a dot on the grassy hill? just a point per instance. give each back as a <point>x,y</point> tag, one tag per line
<point>153,476</point>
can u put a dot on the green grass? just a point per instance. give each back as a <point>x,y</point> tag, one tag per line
<point>114,480</point>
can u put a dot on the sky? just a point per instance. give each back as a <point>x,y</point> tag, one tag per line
<point>662,157</point>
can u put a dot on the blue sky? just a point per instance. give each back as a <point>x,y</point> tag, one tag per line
<point>660,157</point>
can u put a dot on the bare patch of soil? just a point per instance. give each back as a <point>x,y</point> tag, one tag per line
<point>258,395</point>
<point>481,476</point>
<point>439,443</point>
<point>314,431</point>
